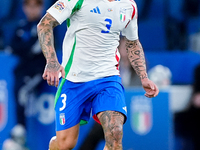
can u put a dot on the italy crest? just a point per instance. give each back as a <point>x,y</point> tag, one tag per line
<point>122,14</point>
<point>62,118</point>
<point>141,114</point>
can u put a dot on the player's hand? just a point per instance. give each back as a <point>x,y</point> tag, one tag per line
<point>51,73</point>
<point>150,88</point>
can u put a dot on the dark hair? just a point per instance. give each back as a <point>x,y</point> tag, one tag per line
<point>39,2</point>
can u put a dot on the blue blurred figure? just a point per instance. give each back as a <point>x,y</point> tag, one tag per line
<point>25,45</point>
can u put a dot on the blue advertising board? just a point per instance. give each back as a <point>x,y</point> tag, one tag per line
<point>41,121</point>
<point>149,124</point>
<point>7,104</point>
<point>39,108</point>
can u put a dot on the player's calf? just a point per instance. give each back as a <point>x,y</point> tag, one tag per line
<point>112,123</point>
<point>113,137</point>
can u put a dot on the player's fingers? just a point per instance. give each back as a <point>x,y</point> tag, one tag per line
<point>147,95</point>
<point>52,81</point>
<point>62,72</point>
<point>151,86</point>
<point>48,79</point>
<point>56,81</point>
<point>44,76</point>
<point>150,93</point>
<point>156,91</point>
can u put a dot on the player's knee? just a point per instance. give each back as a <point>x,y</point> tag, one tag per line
<point>53,144</point>
<point>63,144</point>
<point>67,144</point>
<point>114,138</point>
<point>115,135</point>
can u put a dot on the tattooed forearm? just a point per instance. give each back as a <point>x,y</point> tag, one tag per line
<point>136,57</point>
<point>46,39</point>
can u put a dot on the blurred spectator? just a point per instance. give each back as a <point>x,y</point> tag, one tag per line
<point>194,42</point>
<point>176,26</point>
<point>187,123</point>
<point>179,14</point>
<point>160,75</point>
<point>191,8</point>
<point>176,32</point>
<point>145,9</point>
<point>25,45</point>
<point>17,140</point>
<point>1,40</point>
<point>127,73</point>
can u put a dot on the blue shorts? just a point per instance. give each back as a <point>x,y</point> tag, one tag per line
<point>76,102</point>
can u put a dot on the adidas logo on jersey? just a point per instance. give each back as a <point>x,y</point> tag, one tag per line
<point>96,10</point>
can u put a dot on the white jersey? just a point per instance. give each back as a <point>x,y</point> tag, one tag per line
<point>90,44</point>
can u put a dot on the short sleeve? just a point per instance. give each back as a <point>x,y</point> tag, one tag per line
<point>131,29</point>
<point>62,10</point>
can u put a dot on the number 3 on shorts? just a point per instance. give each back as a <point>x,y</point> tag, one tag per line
<point>63,101</point>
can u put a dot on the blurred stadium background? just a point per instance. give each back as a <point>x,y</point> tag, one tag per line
<point>167,31</point>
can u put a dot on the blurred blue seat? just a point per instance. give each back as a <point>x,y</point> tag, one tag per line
<point>193,25</point>
<point>175,9</point>
<point>157,9</point>
<point>6,8</point>
<point>152,34</point>
<point>8,29</point>
<point>152,28</point>
<point>139,5</point>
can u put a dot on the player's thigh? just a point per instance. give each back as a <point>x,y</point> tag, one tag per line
<point>111,97</point>
<point>68,138</point>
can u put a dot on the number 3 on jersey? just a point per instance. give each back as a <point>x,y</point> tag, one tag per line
<point>63,101</point>
<point>108,25</point>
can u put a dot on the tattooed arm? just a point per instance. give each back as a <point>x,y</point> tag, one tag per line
<point>46,39</point>
<point>137,59</point>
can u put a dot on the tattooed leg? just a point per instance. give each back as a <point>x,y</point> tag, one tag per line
<point>112,123</point>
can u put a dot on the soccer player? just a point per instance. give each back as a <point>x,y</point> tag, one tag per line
<point>90,81</point>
